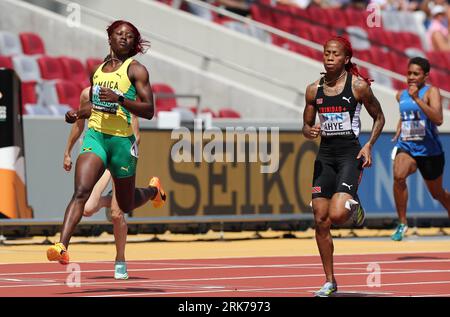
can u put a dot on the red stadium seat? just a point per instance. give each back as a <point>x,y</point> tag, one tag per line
<point>381,37</point>
<point>440,79</point>
<point>283,19</point>
<point>336,18</point>
<point>405,40</point>
<point>165,104</point>
<point>92,64</point>
<point>441,59</point>
<point>228,113</point>
<point>6,62</point>
<point>68,93</point>
<point>29,95</point>
<point>357,17</point>
<point>399,62</point>
<point>204,110</point>
<point>74,70</point>
<point>318,15</point>
<point>363,55</point>
<point>32,44</point>
<point>399,85</point>
<point>262,13</point>
<point>320,34</point>
<point>50,68</point>
<point>381,58</point>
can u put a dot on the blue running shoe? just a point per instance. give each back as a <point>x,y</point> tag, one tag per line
<point>327,290</point>
<point>399,232</point>
<point>120,271</point>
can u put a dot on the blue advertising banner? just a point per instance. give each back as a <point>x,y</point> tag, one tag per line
<point>375,190</point>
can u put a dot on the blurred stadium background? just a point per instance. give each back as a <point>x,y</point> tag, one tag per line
<point>233,63</point>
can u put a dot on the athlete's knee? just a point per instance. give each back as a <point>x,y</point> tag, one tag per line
<point>399,181</point>
<point>82,194</point>
<point>338,216</point>
<point>117,217</point>
<point>322,224</point>
<point>438,195</point>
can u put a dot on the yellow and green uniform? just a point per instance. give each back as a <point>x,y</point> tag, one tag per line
<point>109,134</point>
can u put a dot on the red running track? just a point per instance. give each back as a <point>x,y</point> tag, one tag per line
<point>403,274</point>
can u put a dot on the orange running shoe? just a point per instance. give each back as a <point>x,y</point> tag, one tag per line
<point>58,252</point>
<point>160,198</point>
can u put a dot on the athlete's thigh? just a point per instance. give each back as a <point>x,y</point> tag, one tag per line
<point>349,170</point>
<point>122,159</point>
<point>100,186</point>
<point>404,165</point>
<point>124,192</point>
<point>88,170</point>
<point>323,178</point>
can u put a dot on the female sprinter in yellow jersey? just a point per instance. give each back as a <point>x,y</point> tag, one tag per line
<point>109,142</point>
<point>96,201</point>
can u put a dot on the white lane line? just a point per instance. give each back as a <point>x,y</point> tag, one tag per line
<point>83,283</point>
<point>262,266</point>
<point>262,289</point>
<point>259,257</point>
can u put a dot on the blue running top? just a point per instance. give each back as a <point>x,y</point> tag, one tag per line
<point>419,135</point>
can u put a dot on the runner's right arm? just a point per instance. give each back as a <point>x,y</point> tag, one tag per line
<point>76,131</point>
<point>310,130</point>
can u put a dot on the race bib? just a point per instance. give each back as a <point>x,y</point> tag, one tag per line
<point>108,107</point>
<point>337,123</point>
<point>413,130</point>
<point>134,150</point>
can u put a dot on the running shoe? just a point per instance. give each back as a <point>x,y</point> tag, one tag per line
<point>358,214</point>
<point>160,198</point>
<point>399,232</point>
<point>120,271</point>
<point>327,290</point>
<point>58,252</point>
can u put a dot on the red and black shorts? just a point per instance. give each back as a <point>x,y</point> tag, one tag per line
<point>337,169</point>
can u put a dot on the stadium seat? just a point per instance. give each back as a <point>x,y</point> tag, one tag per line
<point>357,17</point>
<point>320,34</point>
<point>59,110</point>
<point>405,40</point>
<point>38,110</point>
<point>6,62</point>
<point>381,58</point>
<point>439,79</point>
<point>336,18</point>
<point>74,70</point>
<point>29,94</point>
<point>262,13</point>
<point>185,113</point>
<point>414,52</point>
<point>399,62</point>
<point>68,93</point>
<point>164,103</point>
<point>9,44</point>
<point>283,19</point>
<point>92,64</point>
<point>32,44</point>
<point>27,68</point>
<point>228,113</point>
<point>50,68</point>
<point>441,59</point>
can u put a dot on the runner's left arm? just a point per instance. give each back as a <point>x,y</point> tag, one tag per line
<point>373,107</point>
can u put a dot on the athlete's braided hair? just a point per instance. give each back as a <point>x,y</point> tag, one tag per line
<point>350,67</point>
<point>140,45</point>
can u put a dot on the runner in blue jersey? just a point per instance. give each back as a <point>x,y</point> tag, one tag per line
<point>418,145</point>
